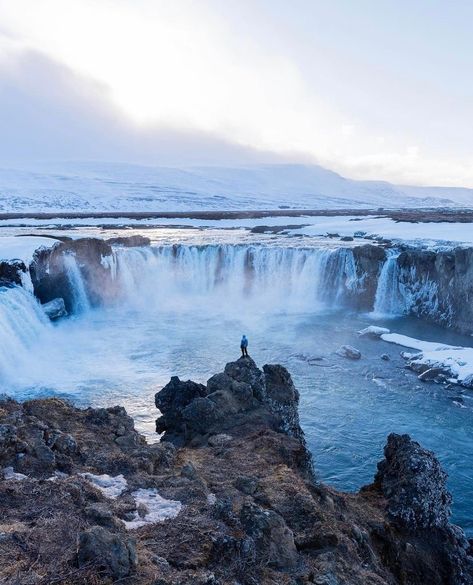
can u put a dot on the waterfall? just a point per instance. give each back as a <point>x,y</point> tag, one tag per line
<point>389,299</point>
<point>22,322</point>
<point>81,301</point>
<point>229,276</point>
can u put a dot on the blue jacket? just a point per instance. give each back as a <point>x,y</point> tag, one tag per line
<point>244,341</point>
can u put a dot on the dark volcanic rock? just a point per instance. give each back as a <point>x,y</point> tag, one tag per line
<point>369,260</point>
<point>50,274</point>
<point>414,484</point>
<point>439,285</point>
<point>248,509</point>
<point>114,553</point>
<point>171,401</point>
<point>242,394</point>
<point>11,272</point>
<point>274,540</point>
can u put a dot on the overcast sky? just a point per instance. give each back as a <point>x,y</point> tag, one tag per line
<point>372,89</point>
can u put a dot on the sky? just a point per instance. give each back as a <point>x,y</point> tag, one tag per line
<point>373,89</point>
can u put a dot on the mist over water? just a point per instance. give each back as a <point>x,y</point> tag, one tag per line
<point>180,310</point>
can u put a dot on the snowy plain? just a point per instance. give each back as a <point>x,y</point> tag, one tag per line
<point>87,186</point>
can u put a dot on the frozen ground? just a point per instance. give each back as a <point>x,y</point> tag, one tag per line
<point>457,361</point>
<point>21,248</point>
<point>310,228</point>
<point>124,187</point>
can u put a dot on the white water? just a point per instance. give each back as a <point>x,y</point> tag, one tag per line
<point>235,278</point>
<point>389,300</point>
<point>248,283</point>
<point>22,323</point>
<point>81,301</point>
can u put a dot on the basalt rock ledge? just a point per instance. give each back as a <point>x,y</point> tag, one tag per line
<point>227,497</point>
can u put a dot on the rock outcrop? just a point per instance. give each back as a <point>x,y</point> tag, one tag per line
<point>50,271</point>
<point>241,396</point>
<point>439,285</point>
<point>55,309</point>
<point>12,272</point>
<point>349,352</point>
<point>227,497</point>
<point>414,484</point>
<point>369,260</point>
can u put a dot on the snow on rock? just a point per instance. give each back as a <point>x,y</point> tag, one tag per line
<point>111,487</point>
<point>373,331</point>
<point>9,473</point>
<point>22,248</point>
<point>418,344</point>
<point>152,508</point>
<point>456,362</point>
<point>349,352</point>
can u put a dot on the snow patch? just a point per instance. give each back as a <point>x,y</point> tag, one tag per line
<point>111,487</point>
<point>152,508</point>
<point>456,361</point>
<point>9,473</point>
<point>373,331</point>
<point>22,248</point>
<point>418,344</point>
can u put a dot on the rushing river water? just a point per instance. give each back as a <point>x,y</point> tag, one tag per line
<point>189,324</point>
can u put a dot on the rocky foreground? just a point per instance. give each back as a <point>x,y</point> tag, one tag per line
<point>227,497</point>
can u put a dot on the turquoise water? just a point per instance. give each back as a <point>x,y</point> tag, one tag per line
<point>119,356</point>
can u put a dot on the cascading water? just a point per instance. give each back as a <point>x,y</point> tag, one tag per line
<point>22,322</point>
<point>266,278</point>
<point>81,301</point>
<point>389,299</point>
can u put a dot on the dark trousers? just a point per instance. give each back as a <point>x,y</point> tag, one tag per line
<point>244,350</point>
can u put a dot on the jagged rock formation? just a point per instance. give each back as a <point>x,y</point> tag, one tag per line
<point>369,260</point>
<point>439,285</point>
<point>50,271</point>
<point>250,512</point>
<point>11,272</point>
<point>241,397</point>
<point>55,309</point>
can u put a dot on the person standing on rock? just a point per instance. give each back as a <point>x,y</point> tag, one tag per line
<point>244,346</point>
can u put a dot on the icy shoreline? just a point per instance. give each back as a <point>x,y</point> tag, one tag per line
<point>436,358</point>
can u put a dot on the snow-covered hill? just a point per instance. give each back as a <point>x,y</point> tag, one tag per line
<point>125,187</point>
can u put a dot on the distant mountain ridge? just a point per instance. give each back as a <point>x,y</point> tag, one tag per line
<point>87,186</point>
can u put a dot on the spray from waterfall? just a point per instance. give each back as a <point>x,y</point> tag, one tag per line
<point>235,277</point>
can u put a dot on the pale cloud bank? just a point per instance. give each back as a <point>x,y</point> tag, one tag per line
<point>187,82</point>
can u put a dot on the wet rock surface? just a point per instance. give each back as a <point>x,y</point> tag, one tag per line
<point>348,351</point>
<point>51,273</point>
<point>11,272</point>
<point>55,309</point>
<point>439,284</point>
<point>233,455</point>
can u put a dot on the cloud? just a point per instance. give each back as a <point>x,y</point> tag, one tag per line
<point>48,112</point>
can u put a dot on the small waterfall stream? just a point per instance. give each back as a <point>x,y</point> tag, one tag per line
<point>389,299</point>
<point>79,292</point>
